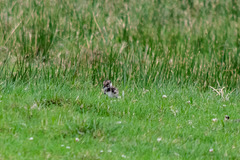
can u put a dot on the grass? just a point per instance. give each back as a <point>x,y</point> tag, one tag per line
<point>56,54</point>
<point>148,42</point>
<point>55,115</point>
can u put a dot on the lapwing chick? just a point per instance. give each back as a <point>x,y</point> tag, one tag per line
<point>227,118</point>
<point>110,90</point>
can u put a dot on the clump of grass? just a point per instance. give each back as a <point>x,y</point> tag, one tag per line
<point>142,42</point>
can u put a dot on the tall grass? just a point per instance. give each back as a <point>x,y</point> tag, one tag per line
<point>142,42</point>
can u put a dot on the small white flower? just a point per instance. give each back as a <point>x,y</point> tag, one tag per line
<point>211,150</point>
<point>190,122</point>
<point>109,150</point>
<point>164,96</point>
<point>233,147</point>
<point>224,105</point>
<point>31,138</point>
<point>62,145</point>
<point>68,147</point>
<point>123,156</point>
<point>76,139</point>
<point>101,151</point>
<point>119,122</point>
<point>214,119</point>
<point>188,102</point>
<point>159,139</point>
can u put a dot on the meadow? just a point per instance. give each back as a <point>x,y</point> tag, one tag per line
<point>177,62</point>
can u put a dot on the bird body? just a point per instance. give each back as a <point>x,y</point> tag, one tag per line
<point>109,89</point>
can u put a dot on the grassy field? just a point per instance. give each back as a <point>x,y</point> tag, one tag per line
<point>142,125</point>
<point>178,63</point>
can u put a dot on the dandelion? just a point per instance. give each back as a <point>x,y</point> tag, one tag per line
<point>211,150</point>
<point>76,139</point>
<point>68,147</point>
<point>159,139</point>
<point>164,96</point>
<point>214,119</point>
<point>31,138</point>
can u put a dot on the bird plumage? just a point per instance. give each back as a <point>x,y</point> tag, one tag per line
<point>110,90</point>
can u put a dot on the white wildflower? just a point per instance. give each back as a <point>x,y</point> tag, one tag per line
<point>109,150</point>
<point>214,119</point>
<point>31,138</point>
<point>190,122</point>
<point>211,150</point>
<point>76,139</point>
<point>123,156</point>
<point>68,147</point>
<point>164,96</point>
<point>159,139</point>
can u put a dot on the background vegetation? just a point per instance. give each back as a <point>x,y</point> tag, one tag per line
<point>146,42</point>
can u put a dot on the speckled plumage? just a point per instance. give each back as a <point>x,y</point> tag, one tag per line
<point>109,89</point>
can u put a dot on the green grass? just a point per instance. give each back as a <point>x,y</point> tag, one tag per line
<point>148,42</point>
<point>54,56</point>
<point>56,115</point>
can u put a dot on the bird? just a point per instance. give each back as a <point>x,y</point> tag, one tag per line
<point>110,90</point>
<point>234,120</point>
<point>226,117</point>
